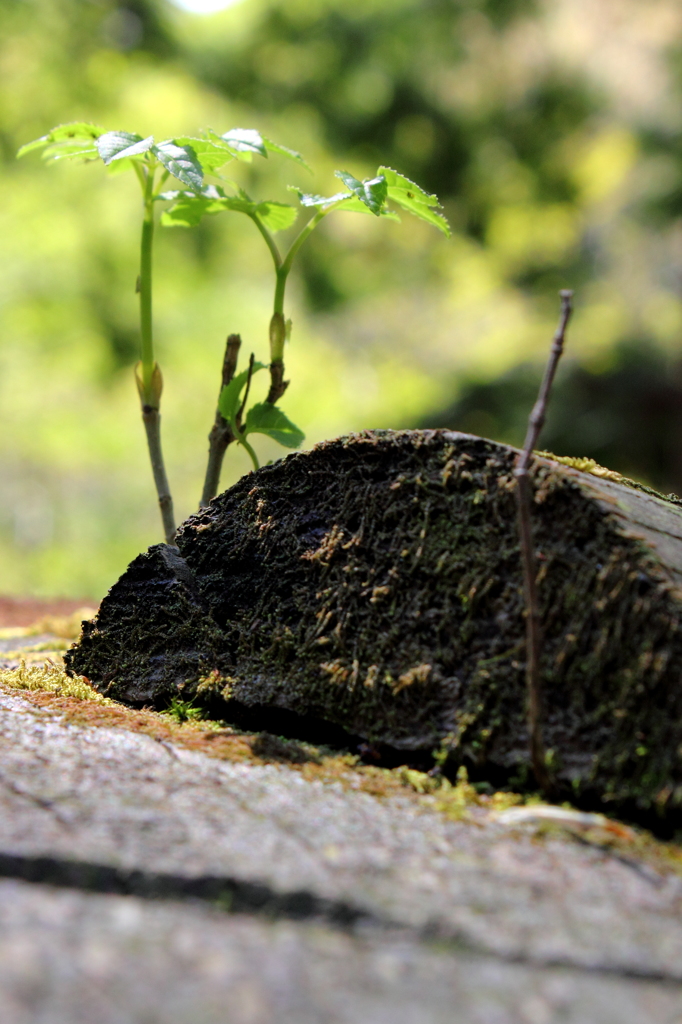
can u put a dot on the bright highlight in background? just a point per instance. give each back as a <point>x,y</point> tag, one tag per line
<point>204,6</point>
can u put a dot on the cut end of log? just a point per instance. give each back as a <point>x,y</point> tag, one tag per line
<point>374,583</point>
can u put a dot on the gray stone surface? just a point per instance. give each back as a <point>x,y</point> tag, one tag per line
<point>463,921</point>
<point>66,958</point>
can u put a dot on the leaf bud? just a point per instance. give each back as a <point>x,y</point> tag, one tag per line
<point>278,333</point>
<point>149,385</point>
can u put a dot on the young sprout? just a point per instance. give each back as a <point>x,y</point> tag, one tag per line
<point>369,196</point>
<point>262,418</point>
<point>186,160</point>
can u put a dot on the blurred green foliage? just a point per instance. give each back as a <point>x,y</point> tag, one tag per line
<point>551,130</point>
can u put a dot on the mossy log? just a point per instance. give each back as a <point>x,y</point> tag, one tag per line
<point>375,583</point>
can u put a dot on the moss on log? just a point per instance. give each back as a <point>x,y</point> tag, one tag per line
<point>375,583</point>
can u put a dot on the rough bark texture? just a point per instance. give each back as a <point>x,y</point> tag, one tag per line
<point>375,583</point>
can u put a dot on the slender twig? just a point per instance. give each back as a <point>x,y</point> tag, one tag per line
<point>524,501</point>
<point>221,432</point>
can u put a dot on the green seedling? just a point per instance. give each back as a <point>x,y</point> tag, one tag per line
<point>182,711</point>
<point>186,160</point>
<point>370,196</point>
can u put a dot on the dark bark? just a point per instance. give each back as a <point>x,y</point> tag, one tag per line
<point>221,433</point>
<point>375,583</point>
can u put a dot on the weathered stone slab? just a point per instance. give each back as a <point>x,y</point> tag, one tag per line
<point>70,958</point>
<point>121,800</point>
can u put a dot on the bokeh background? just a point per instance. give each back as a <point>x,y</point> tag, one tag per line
<point>551,130</point>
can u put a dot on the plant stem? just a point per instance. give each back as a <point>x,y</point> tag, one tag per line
<point>221,433</point>
<point>145,287</point>
<point>524,501</point>
<point>269,240</point>
<point>278,331</point>
<point>152,426</point>
<point>149,380</point>
<point>254,457</point>
<point>280,288</point>
<point>278,384</point>
<point>242,407</point>
<point>237,429</point>
<point>301,237</point>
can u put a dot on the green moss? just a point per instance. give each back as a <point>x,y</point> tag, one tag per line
<point>49,678</point>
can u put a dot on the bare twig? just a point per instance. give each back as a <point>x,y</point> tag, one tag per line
<point>221,433</point>
<point>524,500</point>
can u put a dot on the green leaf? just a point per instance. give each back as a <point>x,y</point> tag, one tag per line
<point>122,146</point>
<point>264,418</point>
<point>28,147</point>
<point>187,213</point>
<point>70,151</point>
<point>414,200</point>
<point>182,163</point>
<point>211,155</point>
<point>309,199</point>
<point>426,213</point>
<point>276,216</point>
<point>344,201</point>
<point>207,192</point>
<point>398,184</point>
<point>292,154</point>
<point>83,130</point>
<point>230,396</point>
<point>75,132</point>
<point>120,166</point>
<point>372,191</point>
<point>353,205</point>
<point>245,142</point>
<point>188,208</point>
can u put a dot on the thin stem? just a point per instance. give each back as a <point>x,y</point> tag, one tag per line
<point>280,288</point>
<point>161,182</point>
<point>269,240</point>
<point>278,328</point>
<point>149,380</point>
<point>237,422</point>
<point>254,457</point>
<point>302,235</point>
<point>152,426</point>
<point>238,417</point>
<point>278,384</point>
<point>221,433</point>
<point>284,266</point>
<point>536,420</point>
<point>145,287</point>
<point>524,502</point>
